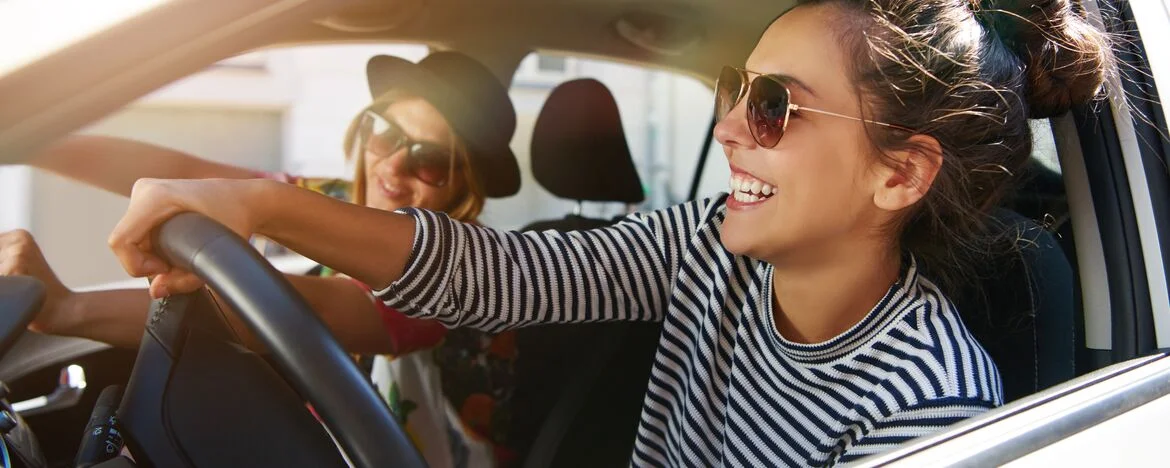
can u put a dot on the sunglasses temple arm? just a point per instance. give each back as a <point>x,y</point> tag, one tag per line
<point>795,108</point>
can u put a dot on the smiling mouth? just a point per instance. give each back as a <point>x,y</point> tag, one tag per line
<point>748,189</point>
<point>389,190</point>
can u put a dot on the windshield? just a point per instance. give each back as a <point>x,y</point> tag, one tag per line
<point>30,29</point>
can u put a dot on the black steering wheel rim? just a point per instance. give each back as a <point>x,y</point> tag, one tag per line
<point>303,348</point>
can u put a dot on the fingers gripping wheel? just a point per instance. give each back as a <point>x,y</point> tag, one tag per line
<point>305,352</point>
<point>20,299</point>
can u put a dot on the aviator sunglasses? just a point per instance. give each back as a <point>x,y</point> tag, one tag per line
<point>769,104</point>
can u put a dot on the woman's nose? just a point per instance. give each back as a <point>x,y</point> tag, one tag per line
<point>732,131</point>
<point>394,164</point>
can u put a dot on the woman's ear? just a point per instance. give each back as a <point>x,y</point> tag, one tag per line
<point>909,174</point>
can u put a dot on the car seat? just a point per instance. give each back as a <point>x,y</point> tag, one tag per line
<point>1022,306</point>
<point>580,387</point>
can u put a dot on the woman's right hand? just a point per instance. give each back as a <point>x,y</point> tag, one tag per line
<point>20,256</point>
<point>237,204</point>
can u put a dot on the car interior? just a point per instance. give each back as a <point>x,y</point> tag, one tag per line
<point>580,387</point>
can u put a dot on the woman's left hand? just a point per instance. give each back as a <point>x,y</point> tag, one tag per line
<point>234,203</point>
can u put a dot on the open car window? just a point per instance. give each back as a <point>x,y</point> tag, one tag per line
<point>280,109</point>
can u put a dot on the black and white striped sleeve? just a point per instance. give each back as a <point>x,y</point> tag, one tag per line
<point>917,421</point>
<point>466,275</point>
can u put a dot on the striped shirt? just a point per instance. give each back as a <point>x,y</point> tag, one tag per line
<point>726,388</point>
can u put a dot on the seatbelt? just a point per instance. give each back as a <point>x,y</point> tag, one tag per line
<point>564,412</point>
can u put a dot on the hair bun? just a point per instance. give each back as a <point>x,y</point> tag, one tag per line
<point>1066,59</point>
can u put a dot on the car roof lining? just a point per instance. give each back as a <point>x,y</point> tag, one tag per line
<point>726,29</point>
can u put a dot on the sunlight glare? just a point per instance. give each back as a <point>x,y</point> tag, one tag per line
<point>31,29</point>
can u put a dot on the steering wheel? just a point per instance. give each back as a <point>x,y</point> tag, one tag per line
<point>306,354</point>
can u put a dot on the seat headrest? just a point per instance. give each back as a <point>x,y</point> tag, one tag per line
<point>579,149</point>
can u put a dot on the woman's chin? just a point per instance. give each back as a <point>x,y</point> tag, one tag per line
<point>385,204</point>
<point>736,239</point>
<point>755,240</point>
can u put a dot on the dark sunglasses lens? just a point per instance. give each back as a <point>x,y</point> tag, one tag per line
<point>381,136</point>
<point>767,110</point>
<point>430,164</point>
<point>727,91</point>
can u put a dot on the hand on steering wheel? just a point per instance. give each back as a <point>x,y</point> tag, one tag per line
<point>20,256</point>
<point>154,201</point>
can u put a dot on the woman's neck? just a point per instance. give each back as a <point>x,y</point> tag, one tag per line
<point>815,301</point>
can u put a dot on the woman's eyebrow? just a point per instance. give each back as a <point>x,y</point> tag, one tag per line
<point>799,84</point>
<point>787,79</point>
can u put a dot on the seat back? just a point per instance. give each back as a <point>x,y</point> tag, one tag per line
<point>1022,309</point>
<point>580,387</point>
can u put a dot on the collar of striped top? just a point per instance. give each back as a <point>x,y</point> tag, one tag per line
<point>902,296</point>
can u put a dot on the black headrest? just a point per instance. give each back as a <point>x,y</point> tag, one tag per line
<point>579,149</point>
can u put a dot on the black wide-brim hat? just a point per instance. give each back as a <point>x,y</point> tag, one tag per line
<point>475,104</point>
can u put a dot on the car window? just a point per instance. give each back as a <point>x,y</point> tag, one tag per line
<point>44,26</point>
<point>1044,145</point>
<point>665,116</point>
<point>274,110</point>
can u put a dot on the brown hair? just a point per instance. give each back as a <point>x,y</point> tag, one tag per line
<point>466,208</point>
<point>970,74</point>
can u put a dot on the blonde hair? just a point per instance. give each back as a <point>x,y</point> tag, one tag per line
<point>468,205</point>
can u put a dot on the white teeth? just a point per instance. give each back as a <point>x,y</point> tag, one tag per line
<point>746,197</point>
<point>750,187</point>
